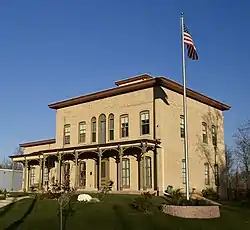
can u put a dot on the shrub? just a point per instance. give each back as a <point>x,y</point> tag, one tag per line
<point>185,202</point>
<point>50,195</point>
<point>143,203</point>
<point>210,193</point>
<point>105,190</point>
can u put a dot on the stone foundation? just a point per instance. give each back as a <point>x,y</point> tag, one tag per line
<point>196,212</point>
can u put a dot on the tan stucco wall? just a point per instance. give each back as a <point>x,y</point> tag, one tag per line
<point>37,148</point>
<point>168,130</point>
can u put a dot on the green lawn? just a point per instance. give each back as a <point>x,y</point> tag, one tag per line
<point>113,213</point>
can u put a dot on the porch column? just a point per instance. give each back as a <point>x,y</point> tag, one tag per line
<point>59,168</point>
<point>119,169</point>
<point>44,165</point>
<point>99,168</point>
<point>40,173</point>
<point>144,150</point>
<point>25,175</point>
<point>76,169</point>
<point>139,170</point>
<point>12,179</point>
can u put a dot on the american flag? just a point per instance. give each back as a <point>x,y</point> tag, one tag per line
<point>192,53</point>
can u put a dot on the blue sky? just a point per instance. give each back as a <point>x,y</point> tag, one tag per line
<point>52,50</point>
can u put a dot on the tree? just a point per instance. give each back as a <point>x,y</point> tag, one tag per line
<point>229,157</point>
<point>242,149</point>
<point>211,148</point>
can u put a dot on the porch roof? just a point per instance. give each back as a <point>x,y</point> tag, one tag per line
<point>91,147</point>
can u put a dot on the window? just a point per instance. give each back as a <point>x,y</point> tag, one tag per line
<point>93,129</point>
<point>111,127</point>
<point>214,135</point>
<point>32,176</point>
<point>207,182</point>
<point>182,130</point>
<point>66,134</point>
<point>144,122</point>
<point>124,126</point>
<point>103,169</point>
<point>204,132</point>
<point>216,174</point>
<point>82,174</point>
<point>82,132</point>
<point>148,172</point>
<point>46,175</point>
<point>125,173</point>
<point>183,170</point>
<point>102,129</point>
<point>66,169</point>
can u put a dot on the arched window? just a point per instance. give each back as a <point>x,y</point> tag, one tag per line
<point>207,179</point>
<point>111,127</point>
<point>102,129</point>
<point>204,132</point>
<point>148,172</point>
<point>125,173</point>
<point>93,129</point>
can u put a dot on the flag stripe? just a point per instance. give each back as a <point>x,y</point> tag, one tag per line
<point>188,40</point>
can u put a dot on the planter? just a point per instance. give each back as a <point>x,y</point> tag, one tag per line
<point>195,212</point>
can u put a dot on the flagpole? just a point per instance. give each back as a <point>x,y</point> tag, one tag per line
<point>185,108</point>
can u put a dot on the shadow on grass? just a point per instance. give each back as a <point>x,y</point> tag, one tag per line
<point>120,216</point>
<point>6,209</point>
<point>20,221</point>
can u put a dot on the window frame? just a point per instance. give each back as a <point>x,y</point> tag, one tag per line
<point>207,174</point>
<point>102,134</point>
<point>148,169</point>
<point>182,126</point>
<point>146,124</point>
<point>204,133</point>
<point>93,130</point>
<point>66,138</point>
<point>32,175</point>
<point>126,173</point>
<point>216,174</point>
<point>111,130</point>
<point>84,132</point>
<point>126,127</point>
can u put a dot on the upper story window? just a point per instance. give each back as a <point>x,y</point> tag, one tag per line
<point>204,132</point>
<point>214,135</point>
<point>82,132</point>
<point>102,129</point>
<point>144,122</point>
<point>182,130</point>
<point>66,134</point>
<point>207,181</point>
<point>111,127</point>
<point>124,126</point>
<point>93,129</point>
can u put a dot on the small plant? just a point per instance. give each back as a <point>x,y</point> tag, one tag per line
<point>143,203</point>
<point>105,190</point>
<point>210,193</point>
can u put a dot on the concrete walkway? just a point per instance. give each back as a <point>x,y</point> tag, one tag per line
<point>10,200</point>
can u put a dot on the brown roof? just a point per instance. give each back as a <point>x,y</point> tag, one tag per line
<point>150,82</point>
<point>144,76</point>
<point>36,143</point>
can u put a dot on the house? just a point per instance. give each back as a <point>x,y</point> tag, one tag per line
<point>132,134</point>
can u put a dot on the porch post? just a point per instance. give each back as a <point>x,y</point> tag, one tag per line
<point>12,179</point>
<point>40,173</point>
<point>144,150</point>
<point>76,169</point>
<point>99,168</point>
<point>139,170</point>
<point>59,168</point>
<point>119,169</point>
<point>25,176</point>
<point>44,162</point>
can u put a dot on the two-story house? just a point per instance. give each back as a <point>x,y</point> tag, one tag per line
<point>132,134</point>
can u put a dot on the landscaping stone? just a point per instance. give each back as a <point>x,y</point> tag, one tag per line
<point>195,212</point>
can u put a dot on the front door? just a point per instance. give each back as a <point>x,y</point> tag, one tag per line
<point>104,172</point>
<point>82,174</point>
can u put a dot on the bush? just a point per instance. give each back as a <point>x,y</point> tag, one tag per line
<point>2,197</point>
<point>185,202</point>
<point>210,193</point>
<point>50,195</point>
<point>143,203</point>
<point>106,189</point>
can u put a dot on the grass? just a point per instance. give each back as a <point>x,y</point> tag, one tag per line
<point>114,214</point>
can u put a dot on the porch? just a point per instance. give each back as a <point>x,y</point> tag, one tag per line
<point>131,165</point>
